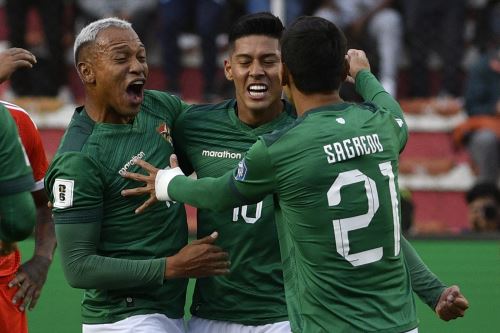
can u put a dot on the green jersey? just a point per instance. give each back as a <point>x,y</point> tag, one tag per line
<point>116,255</point>
<point>334,177</point>
<point>16,175</point>
<point>211,140</point>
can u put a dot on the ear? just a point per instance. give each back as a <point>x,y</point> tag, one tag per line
<point>228,70</point>
<point>346,70</point>
<point>285,79</point>
<point>86,72</point>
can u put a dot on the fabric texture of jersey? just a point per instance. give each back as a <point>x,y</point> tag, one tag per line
<point>85,183</point>
<point>16,175</point>
<point>211,140</point>
<point>32,142</point>
<point>333,174</point>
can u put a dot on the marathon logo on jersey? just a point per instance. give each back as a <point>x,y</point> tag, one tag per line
<point>242,171</point>
<point>165,132</point>
<point>127,165</point>
<point>63,193</point>
<point>221,154</point>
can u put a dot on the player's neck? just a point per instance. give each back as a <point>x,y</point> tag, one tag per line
<point>304,103</point>
<point>256,118</point>
<point>100,113</point>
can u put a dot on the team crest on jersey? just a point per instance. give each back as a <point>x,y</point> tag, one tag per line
<point>242,171</point>
<point>165,132</point>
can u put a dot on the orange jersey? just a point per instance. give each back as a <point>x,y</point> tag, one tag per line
<point>32,142</point>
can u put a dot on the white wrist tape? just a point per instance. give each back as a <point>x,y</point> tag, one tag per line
<point>162,180</point>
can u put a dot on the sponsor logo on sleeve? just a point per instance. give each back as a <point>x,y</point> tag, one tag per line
<point>63,193</point>
<point>399,121</point>
<point>242,171</point>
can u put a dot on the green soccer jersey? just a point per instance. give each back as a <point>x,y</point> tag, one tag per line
<point>334,177</point>
<point>211,140</point>
<point>16,175</point>
<point>116,255</point>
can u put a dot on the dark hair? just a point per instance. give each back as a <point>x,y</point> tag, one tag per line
<point>482,190</point>
<point>314,51</point>
<point>263,23</point>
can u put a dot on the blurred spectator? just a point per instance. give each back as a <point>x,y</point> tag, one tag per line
<point>138,12</point>
<point>49,75</point>
<point>293,8</point>
<point>481,132</point>
<point>207,15</point>
<point>483,201</point>
<point>375,19</point>
<point>435,25</point>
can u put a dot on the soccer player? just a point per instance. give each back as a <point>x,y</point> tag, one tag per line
<point>210,140</point>
<point>17,217</point>
<point>133,267</point>
<point>31,275</point>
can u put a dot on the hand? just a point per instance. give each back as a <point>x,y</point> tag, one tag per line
<point>199,258</point>
<point>30,278</point>
<point>357,61</point>
<point>149,180</point>
<point>12,59</point>
<point>452,304</point>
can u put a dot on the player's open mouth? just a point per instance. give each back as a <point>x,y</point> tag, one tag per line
<point>257,90</point>
<point>135,91</point>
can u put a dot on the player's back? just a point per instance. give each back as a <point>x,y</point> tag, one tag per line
<point>338,220</point>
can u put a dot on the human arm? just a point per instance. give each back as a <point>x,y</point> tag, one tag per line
<point>13,59</point>
<point>252,180</point>
<point>447,302</point>
<point>17,210</point>
<point>32,274</point>
<point>77,189</point>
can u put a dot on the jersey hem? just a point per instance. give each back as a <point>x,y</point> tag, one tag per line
<point>238,319</point>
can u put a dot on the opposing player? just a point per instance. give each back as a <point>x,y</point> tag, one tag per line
<point>210,139</point>
<point>133,267</point>
<point>17,217</point>
<point>31,275</point>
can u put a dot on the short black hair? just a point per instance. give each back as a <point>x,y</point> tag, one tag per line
<point>263,23</point>
<point>483,190</point>
<point>314,49</point>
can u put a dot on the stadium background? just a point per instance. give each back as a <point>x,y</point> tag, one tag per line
<point>434,171</point>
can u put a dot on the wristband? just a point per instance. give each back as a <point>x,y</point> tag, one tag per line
<point>163,179</point>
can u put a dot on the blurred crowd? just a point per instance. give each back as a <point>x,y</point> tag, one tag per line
<point>420,49</point>
<point>408,40</point>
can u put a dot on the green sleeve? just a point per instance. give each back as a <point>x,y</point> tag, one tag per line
<point>17,216</point>
<point>424,283</point>
<point>84,268</point>
<point>76,189</point>
<point>249,183</point>
<point>371,90</point>
<point>15,171</point>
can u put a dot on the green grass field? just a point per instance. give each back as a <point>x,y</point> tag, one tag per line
<point>473,265</point>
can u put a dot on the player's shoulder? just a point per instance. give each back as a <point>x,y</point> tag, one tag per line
<point>209,109</point>
<point>18,113</point>
<point>78,132</point>
<point>155,99</point>
<point>277,135</point>
<point>204,112</point>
